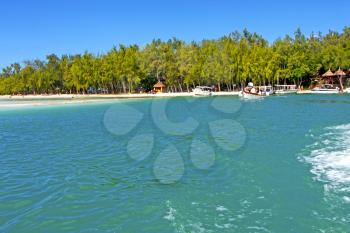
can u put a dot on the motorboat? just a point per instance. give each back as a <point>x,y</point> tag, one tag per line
<point>266,90</point>
<point>326,89</point>
<point>255,92</point>
<point>285,89</point>
<point>202,91</point>
<point>249,95</point>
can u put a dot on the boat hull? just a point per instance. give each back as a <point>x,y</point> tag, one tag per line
<point>202,91</point>
<point>247,95</point>
<point>281,92</point>
<point>195,93</point>
<point>325,91</point>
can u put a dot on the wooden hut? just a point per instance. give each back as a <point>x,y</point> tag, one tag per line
<point>329,77</point>
<point>328,74</point>
<point>159,87</point>
<point>339,73</point>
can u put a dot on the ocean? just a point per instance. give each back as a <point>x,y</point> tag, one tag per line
<point>205,164</point>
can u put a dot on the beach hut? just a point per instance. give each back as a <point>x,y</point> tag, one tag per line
<point>159,87</point>
<point>340,73</point>
<point>329,77</point>
<point>328,74</point>
<point>326,78</point>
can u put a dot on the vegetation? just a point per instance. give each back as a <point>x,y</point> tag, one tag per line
<point>226,62</point>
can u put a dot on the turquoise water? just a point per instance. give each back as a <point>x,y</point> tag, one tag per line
<point>220,164</point>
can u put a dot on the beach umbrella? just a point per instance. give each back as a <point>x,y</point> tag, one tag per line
<point>340,73</point>
<point>329,73</point>
<point>328,76</point>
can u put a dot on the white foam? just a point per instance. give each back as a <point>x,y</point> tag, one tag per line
<point>340,127</point>
<point>197,227</point>
<point>258,229</point>
<point>223,226</point>
<point>346,199</point>
<point>221,208</point>
<point>330,158</point>
<point>170,215</point>
<point>182,223</point>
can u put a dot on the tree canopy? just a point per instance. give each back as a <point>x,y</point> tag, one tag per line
<point>231,60</point>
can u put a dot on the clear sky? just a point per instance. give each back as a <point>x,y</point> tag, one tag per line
<point>31,29</point>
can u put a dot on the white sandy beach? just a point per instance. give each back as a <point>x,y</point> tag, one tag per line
<point>103,96</point>
<point>24,101</point>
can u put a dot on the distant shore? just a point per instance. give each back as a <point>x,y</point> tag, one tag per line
<point>106,96</point>
<point>25,101</point>
<point>112,96</point>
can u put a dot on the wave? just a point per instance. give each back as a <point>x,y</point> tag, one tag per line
<point>329,157</point>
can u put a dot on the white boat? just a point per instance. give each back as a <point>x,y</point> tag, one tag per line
<point>202,91</point>
<point>347,90</point>
<point>325,89</point>
<point>266,90</point>
<point>249,95</point>
<point>285,89</point>
<point>252,92</point>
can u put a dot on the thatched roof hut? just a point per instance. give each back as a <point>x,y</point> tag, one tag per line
<point>159,87</point>
<point>339,72</point>
<point>159,84</point>
<point>329,73</point>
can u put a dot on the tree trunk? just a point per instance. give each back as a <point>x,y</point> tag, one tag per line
<point>180,87</point>
<point>124,86</point>
<point>341,84</point>
<point>130,87</point>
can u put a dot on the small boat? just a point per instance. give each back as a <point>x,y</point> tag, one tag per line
<point>248,95</point>
<point>202,91</point>
<point>325,89</point>
<point>266,90</point>
<point>347,90</point>
<point>255,92</point>
<point>285,89</point>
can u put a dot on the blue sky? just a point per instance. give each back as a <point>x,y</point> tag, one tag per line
<point>33,29</point>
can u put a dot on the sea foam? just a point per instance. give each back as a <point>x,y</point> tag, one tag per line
<point>330,158</point>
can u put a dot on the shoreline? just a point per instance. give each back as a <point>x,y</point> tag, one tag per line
<point>27,101</point>
<point>120,96</point>
<point>107,96</point>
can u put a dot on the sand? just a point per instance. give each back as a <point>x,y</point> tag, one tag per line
<point>102,96</point>
<point>25,101</point>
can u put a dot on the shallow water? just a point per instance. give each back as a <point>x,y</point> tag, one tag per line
<point>220,164</point>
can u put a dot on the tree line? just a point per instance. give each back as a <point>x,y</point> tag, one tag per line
<point>227,62</point>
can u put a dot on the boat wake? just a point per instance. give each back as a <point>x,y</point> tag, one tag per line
<point>209,218</point>
<point>330,160</point>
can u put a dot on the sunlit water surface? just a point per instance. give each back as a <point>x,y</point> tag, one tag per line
<point>64,169</point>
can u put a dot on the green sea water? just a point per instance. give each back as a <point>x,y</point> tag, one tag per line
<point>217,164</point>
